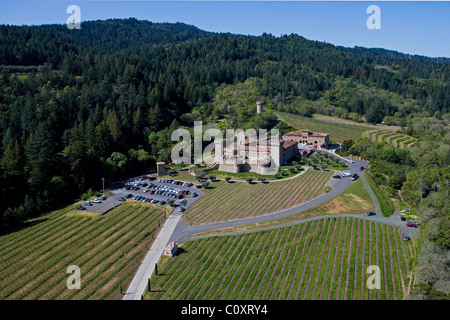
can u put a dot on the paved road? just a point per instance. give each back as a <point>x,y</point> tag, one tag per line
<point>139,283</point>
<point>392,220</point>
<point>372,195</point>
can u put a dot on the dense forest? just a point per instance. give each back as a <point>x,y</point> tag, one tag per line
<point>101,102</point>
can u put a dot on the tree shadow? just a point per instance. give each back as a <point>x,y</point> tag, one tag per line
<point>180,251</point>
<point>23,225</point>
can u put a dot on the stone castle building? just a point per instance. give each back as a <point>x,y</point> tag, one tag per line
<point>316,139</point>
<point>266,155</point>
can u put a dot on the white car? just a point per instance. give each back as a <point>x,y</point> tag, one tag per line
<point>96,201</point>
<point>345,174</point>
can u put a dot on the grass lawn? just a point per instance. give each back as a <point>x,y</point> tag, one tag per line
<point>224,201</point>
<point>182,176</point>
<point>254,175</point>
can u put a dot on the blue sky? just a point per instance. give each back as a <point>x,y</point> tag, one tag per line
<point>411,27</point>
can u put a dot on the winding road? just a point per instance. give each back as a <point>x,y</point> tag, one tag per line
<point>175,229</point>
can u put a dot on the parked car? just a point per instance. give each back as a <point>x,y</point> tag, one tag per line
<point>96,201</point>
<point>87,203</point>
<point>195,194</point>
<point>405,211</point>
<point>121,199</point>
<point>154,201</point>
<point>405,237</point>
<point>403,218</point>
<point>103,197</point>
<point>162,202</point>
<point>129,195</point>
<point>181,209</point>
<point>370,213</point>
<point>412,224</point>
<point>354,177</point>
<point>337,176</point>
<point>81,208</point>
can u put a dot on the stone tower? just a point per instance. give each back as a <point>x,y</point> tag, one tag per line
<point>259,106</point>
<point>161,169</point>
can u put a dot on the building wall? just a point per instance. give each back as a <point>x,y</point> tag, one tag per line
<point>310,139</point>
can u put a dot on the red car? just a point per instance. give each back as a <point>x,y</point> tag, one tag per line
<point>413,224</point>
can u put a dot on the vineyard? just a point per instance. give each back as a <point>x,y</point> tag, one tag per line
<point>396,139</point>
<point>227,201</point>
<point>107,249</point>
<point>338,131</point>
<point>324,259</point>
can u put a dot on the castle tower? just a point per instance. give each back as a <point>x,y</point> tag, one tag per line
<point>276,150</point>
<point>161,169</point>
<point>259,106</point>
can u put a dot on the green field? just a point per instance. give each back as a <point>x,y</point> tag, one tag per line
<point>338,131</point>
<point>224,201</point>
<point>184,176</point>
<point>325,259</point>
<point>107,249</point>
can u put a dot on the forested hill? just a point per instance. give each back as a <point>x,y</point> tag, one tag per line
<point>79,105</point>
<point>35,45</point>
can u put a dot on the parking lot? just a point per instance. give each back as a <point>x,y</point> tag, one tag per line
<point>149,190</point>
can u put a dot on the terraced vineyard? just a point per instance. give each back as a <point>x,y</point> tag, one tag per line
<point>396,139</point>
<point>228,201</point>
<point>324,259</point>
<point>107,249</point>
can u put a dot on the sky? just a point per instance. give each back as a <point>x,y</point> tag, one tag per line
<point>412,27</point>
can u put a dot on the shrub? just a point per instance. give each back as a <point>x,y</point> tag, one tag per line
<point>89,193</point>
<point>205,184</point>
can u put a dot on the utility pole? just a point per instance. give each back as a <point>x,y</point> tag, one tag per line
<point>103,180</point>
